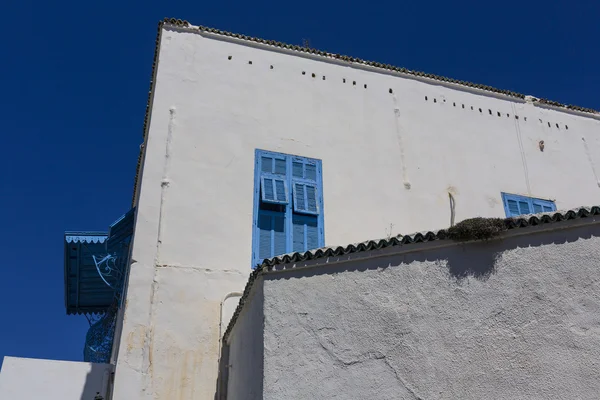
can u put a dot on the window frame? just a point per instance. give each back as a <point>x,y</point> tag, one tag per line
<point>289,205</point>
<point>529,200</point>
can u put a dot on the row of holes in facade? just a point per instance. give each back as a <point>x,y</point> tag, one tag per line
<point>498,113</point>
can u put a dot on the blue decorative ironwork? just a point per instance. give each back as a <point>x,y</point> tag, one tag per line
<point>99,338</point>
<point>83,237</point>
<point>108,269</point>
<point>112,267</point>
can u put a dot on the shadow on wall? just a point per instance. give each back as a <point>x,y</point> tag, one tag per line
<point>97,382</point>
<point>222,379</point>
<point>470,259</point>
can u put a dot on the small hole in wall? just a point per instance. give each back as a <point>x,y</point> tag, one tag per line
<point>471,108</point>
<point>229,58</point>
<point>250,62</point>
<point>525,118</point>
<point>516,117</point>
<point>425,98</point>
<point>463,106</point>
<point>444,100</point>
<point>391,91</point>
<point>480,110</point>
<point>453,104</point>
<point>435,100</point>
<point>344,80</point>
<point>354,83</point>
<point>365,85</point>
<point>303,72</point>
<point>507,115</point>
<point>549,126</point>
<point>499,113</point>
<point>566,126</point>
<point>313,75</point>
<point>540,121</point>
<point>323,77</point>
<point>271,67</point>
<point>557,126</point>
<point>490,112</point>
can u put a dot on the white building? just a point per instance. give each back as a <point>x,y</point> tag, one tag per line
<point>254,148</point>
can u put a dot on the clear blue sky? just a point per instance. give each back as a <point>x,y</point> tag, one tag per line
<point>74,78</point>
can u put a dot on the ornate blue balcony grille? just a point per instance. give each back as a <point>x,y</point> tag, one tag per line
<point>96,268</point>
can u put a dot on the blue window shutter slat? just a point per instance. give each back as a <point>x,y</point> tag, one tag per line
<point>264,239</point>
<point>279,236</point>
<point>513,207</point>
<point>548,208</point>
<point>298,241</point>
<point>312,233</point>
<point>537,208</point>
<point>297,169</point>
<point>311,199</point>
<point>310,171</point>
<point>280,192</point>
<point>266,164</point>
<point>524,207</point>
<point>267,188</point>
<point>280,166</point>
<point>305,234</point>
<point>299,197</point>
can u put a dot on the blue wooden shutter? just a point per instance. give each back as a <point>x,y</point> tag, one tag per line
<point>516,205</point>
<point>305,186</point>
<point>271,234</point>
<point>273,182</point>
<point>543,206</point>
<point>305,233</point>
<point>306,197</point>
<point>273,189</point>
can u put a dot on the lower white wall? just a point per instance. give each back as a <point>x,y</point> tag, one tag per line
<point>516,318</point>
<point>244,356</point>
<point>30,379</point>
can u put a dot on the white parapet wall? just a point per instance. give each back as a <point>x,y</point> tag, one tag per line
<point>30,379</point>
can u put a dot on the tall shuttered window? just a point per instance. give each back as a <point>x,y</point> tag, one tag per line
<point>519,205</point>
<point>288,205</point>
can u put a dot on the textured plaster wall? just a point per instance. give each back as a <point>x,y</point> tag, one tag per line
<point>510,319</point>
<point>30,379</point>
<point>245,352</point>
<point>193,232</point>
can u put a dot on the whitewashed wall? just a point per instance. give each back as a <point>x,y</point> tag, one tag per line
<point>29,379</point>
<point>389,162</point>
<point>525,324</point>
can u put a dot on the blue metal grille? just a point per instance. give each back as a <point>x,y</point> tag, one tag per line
<point>112,267</point>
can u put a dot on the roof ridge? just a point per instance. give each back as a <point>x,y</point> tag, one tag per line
<point>387,67</point>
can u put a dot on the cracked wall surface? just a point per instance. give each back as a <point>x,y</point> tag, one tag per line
<point>406,327</point>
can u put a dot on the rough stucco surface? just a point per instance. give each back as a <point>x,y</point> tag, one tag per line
<point>31,379</point>
<point>524,325</point>
<point>193,235</point>
<point>246,351</point>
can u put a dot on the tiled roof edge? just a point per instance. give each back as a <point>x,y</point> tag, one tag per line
<point>387,67</point>
<point>443,234</point>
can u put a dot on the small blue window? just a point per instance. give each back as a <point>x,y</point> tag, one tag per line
<point>288,205</point>
<point>515,205</point>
